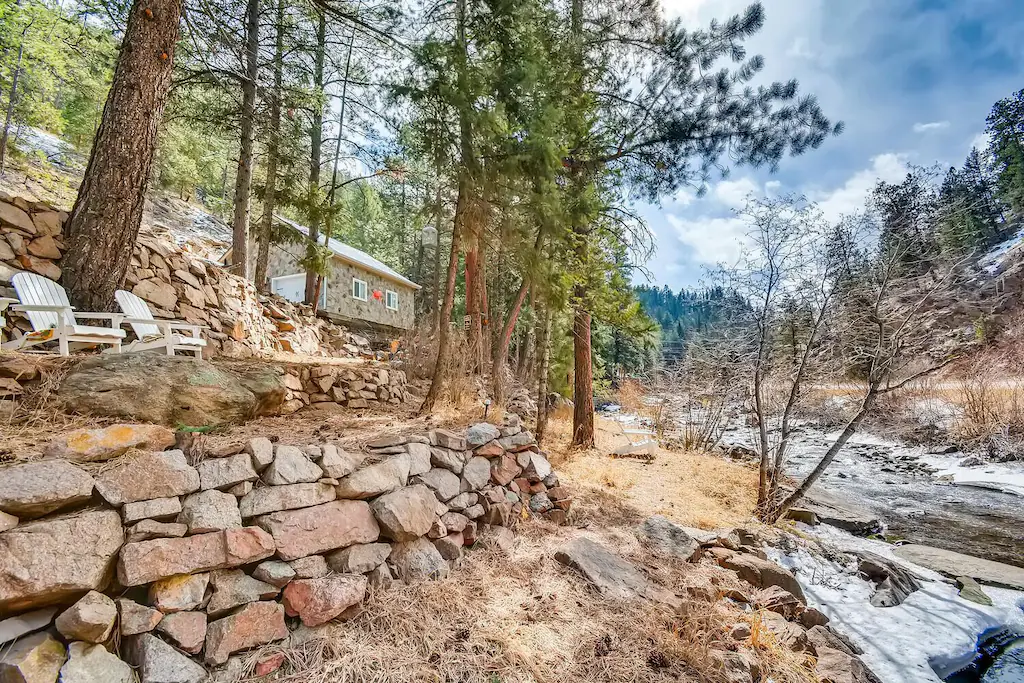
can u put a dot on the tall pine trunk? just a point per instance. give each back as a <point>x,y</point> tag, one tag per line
<point>247,133</point>
<point>12,100</point>
<point>104,222</point>
<point>583,381</point>
<point>273,151</point>
<point>316,137</point>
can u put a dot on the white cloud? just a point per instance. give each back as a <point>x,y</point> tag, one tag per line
<point>734,193</point>
<point>980,141</point>
<point>772,187</point>
<point>711,240</point>
<point>850,197</point>
<point>800,48</point>
<point>930,127</point>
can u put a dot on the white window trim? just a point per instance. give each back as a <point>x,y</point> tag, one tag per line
<point>366,290</point>
<point>323,286</point>
<point>387,295</point>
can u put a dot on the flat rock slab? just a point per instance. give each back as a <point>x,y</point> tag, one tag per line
<point>670,537</point>
<point>609,573</point>
<point>838,511</point>
<point>146,475</point>
<point>55,560</point>
<point>38,488</point>
<point>315,530</point>
<point>94,445</point>
<point>149,561</point>
<point>953,564</point>
<point>158,662</point>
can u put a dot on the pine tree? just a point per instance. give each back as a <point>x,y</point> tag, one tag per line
<point>1006,132</point>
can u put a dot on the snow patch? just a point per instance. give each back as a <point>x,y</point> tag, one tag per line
<point>932,626</point>
<point>992,261</point>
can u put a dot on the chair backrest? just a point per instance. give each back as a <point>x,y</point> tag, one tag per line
<point>134,307</point>
<point>36,290</point>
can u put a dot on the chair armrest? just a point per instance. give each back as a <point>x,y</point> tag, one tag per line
<point>41,308</point>
<point>187,326</point>
<point>99,316</point>
<point>144,321</point>
<point>6,301</point>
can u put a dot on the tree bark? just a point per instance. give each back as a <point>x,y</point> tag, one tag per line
<point>544,354</point>
<point>104,222</point>
<point>439,377</point>
<point>583,381</point>
<point>243,178</point>
<point>273,149</point>
<point>316,136</point>
<point>11,101</point>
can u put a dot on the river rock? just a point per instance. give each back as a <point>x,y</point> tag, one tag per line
<point>170,390</point>
<point>971,590</point>
<point>223,473</point>
<point>405,514</point>
<point>417,560</point>
<point>91,619</point>
<point>55,560</point>
<point>258,623</point>
<point>315,530</point>
<point>670,538</point>
<point>317,601</point>
<point>374,480</point>
<point>94,664</point>
<point>893,582</point>
<point>179,593</point>
<point>954,564</point>
<point>359,559</point>
<point>149,561</point>
<point>158,662</point>
<point>33,659</point>
<point>187,630</point>
<point>291,466</point>
<point>145,475</point>
<point>134,618</point>
<point>38,488</point>
<point>269,499</point>
<point>94,445</point>
<point>763,573</point>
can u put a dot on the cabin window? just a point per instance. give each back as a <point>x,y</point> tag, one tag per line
<point>359,289</point>
<point>391,300</point>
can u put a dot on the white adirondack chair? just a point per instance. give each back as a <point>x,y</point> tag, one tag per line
<point>157,334</point>
<point>46,305</point>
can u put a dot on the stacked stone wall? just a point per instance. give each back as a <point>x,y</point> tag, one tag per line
<point>189,560</point>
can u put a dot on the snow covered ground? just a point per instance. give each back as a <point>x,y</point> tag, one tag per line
<point>1008,478</point>
<point>932,626</point>
<point>992,261</point>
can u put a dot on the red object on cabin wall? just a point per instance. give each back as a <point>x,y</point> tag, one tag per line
<point>378,295</point>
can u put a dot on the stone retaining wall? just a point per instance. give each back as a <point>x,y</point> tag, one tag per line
<point>196,558</point>
<point>176,284</point>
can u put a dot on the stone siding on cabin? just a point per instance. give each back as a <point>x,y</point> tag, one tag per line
<point>284,260</point>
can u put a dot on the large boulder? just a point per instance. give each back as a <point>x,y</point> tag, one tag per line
<point>610,574</point>
<point>317,601</point>
<point>34,489</point>
<point>148,561</point>
<point>170,390</point>
<point>315,530</point>
<point>407,513</point>
<point>92,445</point>
<point>54,560</point>
<point>957,564</point>
<point>834,666</point>
<point>893,582</point>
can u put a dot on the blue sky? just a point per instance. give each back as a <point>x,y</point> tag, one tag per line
<point>912,79</point>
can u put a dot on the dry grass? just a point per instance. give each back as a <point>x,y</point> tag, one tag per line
<point>526,618</point>
<point>693,489</point>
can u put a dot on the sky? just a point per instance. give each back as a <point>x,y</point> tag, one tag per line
<point>913,81</point>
